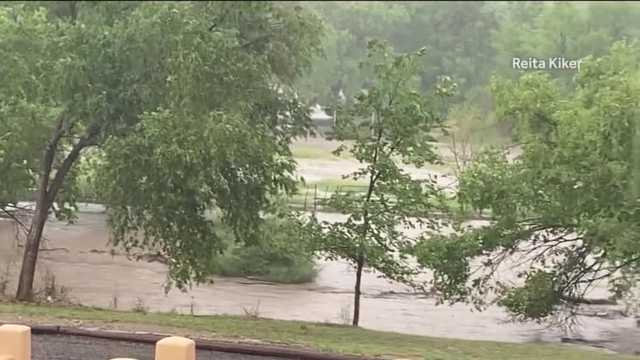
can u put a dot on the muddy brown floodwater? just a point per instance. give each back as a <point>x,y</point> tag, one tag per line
<point>80,258</point>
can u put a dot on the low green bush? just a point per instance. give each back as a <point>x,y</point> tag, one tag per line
<point>280,254</point>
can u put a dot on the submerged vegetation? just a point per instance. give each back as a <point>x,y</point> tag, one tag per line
<point>280,254</point>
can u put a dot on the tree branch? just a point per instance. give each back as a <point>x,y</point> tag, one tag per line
<point>14,218</point>
<point>58,181</point>
<point>251,42</point>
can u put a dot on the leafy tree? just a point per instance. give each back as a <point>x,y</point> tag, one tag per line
<point>189,104</point>
<point>330,71</point>
<point>350,25</point>
<point>563,29</point>
<point>458,38</point>
<point>398,121</point>
<point>566,210</point>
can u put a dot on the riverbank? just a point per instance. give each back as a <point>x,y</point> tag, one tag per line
<point>119,283</point>
<point>315,336</point>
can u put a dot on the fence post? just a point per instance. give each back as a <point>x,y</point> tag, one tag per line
<point>175,348</point>
<point>315,199</point>
<point>306,194</point>
<point>15,342</point>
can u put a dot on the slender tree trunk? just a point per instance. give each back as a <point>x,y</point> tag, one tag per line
<point>47,191</point>
<point>356,297</point>
<point>73,11</point>
<point>373,177</point>
<point>31,247</point>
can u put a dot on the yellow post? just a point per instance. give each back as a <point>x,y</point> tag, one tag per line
<point>175,348</point>
<point>15,342</point>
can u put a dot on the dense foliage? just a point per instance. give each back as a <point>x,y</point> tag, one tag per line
<point>456,35</point>
<point>282,252</point>
<point>565,210</point>
<point>466,41</point>
<point>199,92</point>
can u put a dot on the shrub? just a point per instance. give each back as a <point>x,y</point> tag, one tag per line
<point>280,254</point>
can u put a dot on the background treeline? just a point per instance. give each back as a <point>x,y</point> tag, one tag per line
<point>468,41</point>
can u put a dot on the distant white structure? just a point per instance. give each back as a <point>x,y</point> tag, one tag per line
<point>320,119</point>
<point>317,113</point>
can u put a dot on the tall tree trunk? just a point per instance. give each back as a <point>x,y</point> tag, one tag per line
<point>373,177</point>
<point>31,247</point>
<point>47,191</point>
<point>356,297</point>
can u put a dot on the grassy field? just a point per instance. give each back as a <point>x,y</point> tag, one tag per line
<point>304,151</point>
<point>305,197</point>
<point>325,188</point>
<point>314,152</point>
<point>323,337</point>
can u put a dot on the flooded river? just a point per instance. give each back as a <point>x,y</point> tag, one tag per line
<point>81,260</point>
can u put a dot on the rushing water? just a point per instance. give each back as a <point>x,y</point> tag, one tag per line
<point>81,260</point>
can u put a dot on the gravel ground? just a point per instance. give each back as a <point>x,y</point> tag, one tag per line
<point>60,347</point>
